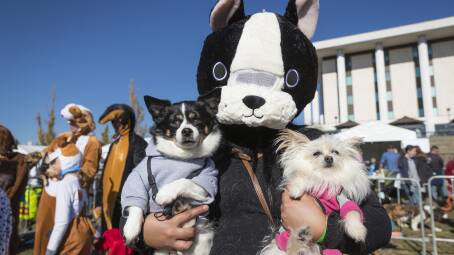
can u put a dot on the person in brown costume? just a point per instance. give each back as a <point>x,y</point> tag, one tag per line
<point>81,124</point>
<point>14,174</point>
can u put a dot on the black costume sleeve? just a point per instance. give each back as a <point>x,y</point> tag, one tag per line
<point>378,229</point>
<point>139,150</point>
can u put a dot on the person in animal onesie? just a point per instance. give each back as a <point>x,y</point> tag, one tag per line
<point>265,69</point>
<point>126,151</point>
<point>81,134</point>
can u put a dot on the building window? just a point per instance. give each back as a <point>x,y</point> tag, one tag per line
<point>432,81</point>
<point>390,115</point>
<point>415,55</point>
<point>377,103</point>
<point>389,93</point>
<point>349,83</point>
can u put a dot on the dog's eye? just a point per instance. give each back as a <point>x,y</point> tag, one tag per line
<point>219,71</point>
<point>335,152</point>
<point>292,78</point>
<point>179,117</point>
<point>317,153</point>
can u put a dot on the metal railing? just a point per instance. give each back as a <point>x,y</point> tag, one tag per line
<point>436,239</point>
<point>422,239</point>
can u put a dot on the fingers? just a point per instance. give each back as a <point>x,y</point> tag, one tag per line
<point>184,233</point>
<point>181,245</point>
<point>189,214</point>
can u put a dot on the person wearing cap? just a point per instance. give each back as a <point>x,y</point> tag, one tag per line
<point>125,152</point>
<point>72,232</point>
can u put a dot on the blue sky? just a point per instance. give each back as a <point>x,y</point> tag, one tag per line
<point>90,49</point>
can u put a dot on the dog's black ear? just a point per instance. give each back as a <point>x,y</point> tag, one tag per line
<point>304,15</point>
<point>211,100</point>
<point>156,106</point>
<point>226,12</point>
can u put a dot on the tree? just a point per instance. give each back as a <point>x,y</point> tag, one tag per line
<point>45,138</point>
<point>41,135</point>
<point>140,129</point>
<point>105,137</point>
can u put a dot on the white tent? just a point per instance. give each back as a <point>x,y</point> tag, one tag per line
<point>377,131</point>
<point>28,148</point>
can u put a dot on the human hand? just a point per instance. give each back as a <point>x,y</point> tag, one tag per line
<point>168,234</point>
<point>303,211</point>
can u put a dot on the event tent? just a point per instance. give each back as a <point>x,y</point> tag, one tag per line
<point>377,131</point>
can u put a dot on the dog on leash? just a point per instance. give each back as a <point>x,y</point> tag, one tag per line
<point>330,170</point>
<point>177,172</point>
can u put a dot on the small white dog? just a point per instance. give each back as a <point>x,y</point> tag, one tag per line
<point>330,170</point>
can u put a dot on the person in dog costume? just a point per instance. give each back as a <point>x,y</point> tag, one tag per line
<point>125,152</point>
<point>265,67</point>
<point>81,124</point>
<point>72,232</point>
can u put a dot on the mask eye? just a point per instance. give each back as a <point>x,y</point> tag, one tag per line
<point>292,78</point>
<point>219,71</point>
<point>317,153</point>
<point>335,152</point>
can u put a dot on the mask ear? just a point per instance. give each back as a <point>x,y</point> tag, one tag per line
<point>156,106</point>
<point>226,12</point>
<point>304,14</point>
<point>211,100</point>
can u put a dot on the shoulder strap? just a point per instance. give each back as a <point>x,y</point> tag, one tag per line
<point>151,179</point>
<point>255,183</point>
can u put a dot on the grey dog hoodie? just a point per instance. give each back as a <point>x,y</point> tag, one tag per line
<point>137,191</point>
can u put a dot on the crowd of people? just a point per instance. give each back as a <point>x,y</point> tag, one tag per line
<point>66,221</point>
<point>413,163</point>
<point>76,211</point>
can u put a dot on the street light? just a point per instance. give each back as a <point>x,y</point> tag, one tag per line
<point>448,110</point>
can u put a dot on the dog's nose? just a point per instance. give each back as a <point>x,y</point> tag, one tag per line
<point>253,102</point>
<point>186,132</point>
<point>329,160</point>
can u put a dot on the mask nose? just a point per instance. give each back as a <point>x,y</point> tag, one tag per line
<point>186,132</point>
<point>329,160</point>
<point>253,102</point>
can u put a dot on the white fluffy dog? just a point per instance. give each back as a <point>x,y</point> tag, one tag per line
<point>330,170</point>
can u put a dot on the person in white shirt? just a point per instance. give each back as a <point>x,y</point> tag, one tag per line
<point>71,199</point>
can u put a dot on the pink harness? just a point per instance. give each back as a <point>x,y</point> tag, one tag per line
<point>338,203</point>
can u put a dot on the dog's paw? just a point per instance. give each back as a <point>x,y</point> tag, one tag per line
<point>295,189</point>
<point>354,227</point>
<point>304,234</point>
<point>133,225</point>
<point>166,195</point>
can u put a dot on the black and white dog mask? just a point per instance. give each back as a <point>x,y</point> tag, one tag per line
<point>265,63</point>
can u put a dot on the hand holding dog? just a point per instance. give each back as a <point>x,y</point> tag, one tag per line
<point>292,210</point>
<point>168,234</point>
